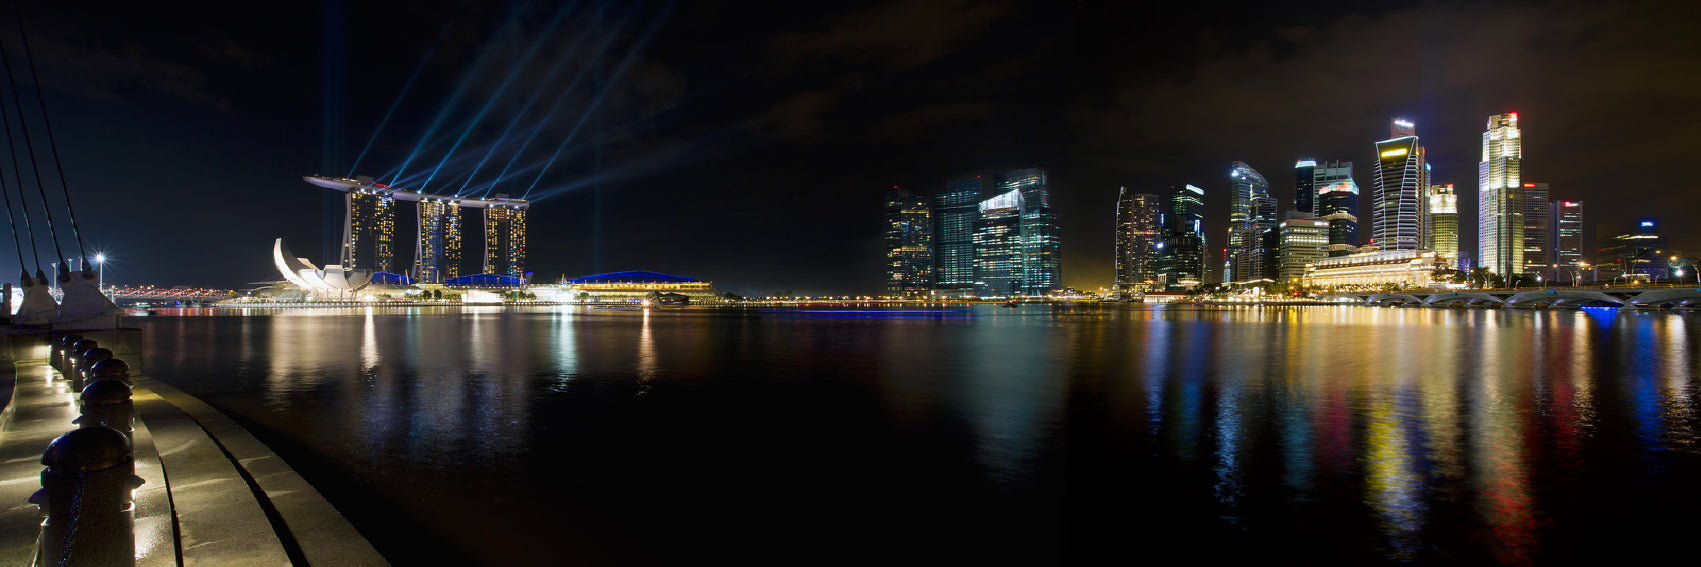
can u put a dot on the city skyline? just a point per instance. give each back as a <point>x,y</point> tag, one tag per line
<point>734,125</point>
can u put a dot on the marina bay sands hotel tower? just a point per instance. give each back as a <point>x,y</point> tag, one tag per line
<point>369,230</point>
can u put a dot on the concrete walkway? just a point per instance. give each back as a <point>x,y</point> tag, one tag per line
<point>211,495</point>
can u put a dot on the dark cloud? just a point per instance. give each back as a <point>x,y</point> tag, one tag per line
<point>895,35</point>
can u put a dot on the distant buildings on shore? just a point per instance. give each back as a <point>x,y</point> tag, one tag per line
<point>962,243</point>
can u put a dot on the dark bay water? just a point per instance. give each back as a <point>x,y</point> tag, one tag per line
<point>1033,436</point>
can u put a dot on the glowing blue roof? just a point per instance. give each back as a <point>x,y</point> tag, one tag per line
<point>631,277</point>
<point>484,280</point>
<point>387,278</point>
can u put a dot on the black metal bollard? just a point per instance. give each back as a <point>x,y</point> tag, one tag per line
<point>111,369</point>
<point>86,491</point>
<point>82,377</point>
<point>107,403</point>
<point>68,367</point>
<point>61,347</point>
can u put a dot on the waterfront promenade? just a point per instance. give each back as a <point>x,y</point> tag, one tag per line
<point>211,494</point>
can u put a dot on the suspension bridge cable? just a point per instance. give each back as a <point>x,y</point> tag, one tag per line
<point>6,193</point>
<point>18,174</point>
<point>53,148</point>
<point>23,126</point>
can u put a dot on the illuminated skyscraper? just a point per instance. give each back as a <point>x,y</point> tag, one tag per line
<point>1337,203</point>
<point>438,256</point>
<point>1252,212</point>
<point>1301,241</point>
<point>1537,231</point>
<point>452,241</point>
<point>1567,223</point>
<point>370,225</point>
<point>1443,221</point>
<point>357,237</point>
<point>1500,197</point>
<point>1305,187</point>
<point>998,245</point>
<point>1183,257</point>
<point>516,248</point>
<point>1397,191</point>
<point>909,243</point>
<point>1138,239</point>
<point>954,214</point>
<point>505,238</point>
<point>384,233</point>
<point>370,232</point>
<point>1042,248</point>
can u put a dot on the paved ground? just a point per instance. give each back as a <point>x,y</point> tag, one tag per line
<point>211,493</point>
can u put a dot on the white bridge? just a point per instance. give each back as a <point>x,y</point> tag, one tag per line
<point>1639,296</point>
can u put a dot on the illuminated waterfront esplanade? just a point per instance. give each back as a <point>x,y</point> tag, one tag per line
<point>369,225</point>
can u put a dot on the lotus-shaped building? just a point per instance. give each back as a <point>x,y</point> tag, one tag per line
<point>330,281</point>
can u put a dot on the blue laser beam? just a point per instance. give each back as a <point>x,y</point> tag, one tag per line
<point>614,79</point>
<point>560,63</point>
<point>484,57</point>
<point>513,72</point>
<point>406,86</point>
<point>562,97</point>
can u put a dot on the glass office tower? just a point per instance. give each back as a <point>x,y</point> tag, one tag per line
<point>1139,239</point>
<point>909,243</point>
<point>1252,212</point>
<point>954,215</point>
<point>1443,220</point>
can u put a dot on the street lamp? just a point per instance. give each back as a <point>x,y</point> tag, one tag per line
<point>100,263</point>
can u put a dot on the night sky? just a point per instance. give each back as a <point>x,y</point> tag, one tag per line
<point>751,143</point>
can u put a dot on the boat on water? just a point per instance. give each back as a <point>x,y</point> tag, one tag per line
<point>1012,304</point>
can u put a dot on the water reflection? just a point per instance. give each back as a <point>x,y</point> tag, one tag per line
<point>1331,434</point>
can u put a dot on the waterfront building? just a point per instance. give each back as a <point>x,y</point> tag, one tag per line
<point>954,214</point>
<point>1537,231</point>
<point>1138,240</point>
<point>1041,242</point>
<point>1443,220</point>
<point>1337,203</point>
<point>1566,218</point>
<point>998,246</point>
<point>1638,254</point>
<point>1370,270</point>
<point>505,238</point>
<point>1305,186</point>
<point>1183,256</point>
<point>370,232</point>
<point>1252,212</point>
<point>909,243</point>
<point>637,285</point>
<point>1302,241</point>
<point>1500,197</point>
<point>438,254</point>
<point>1397,214</point>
